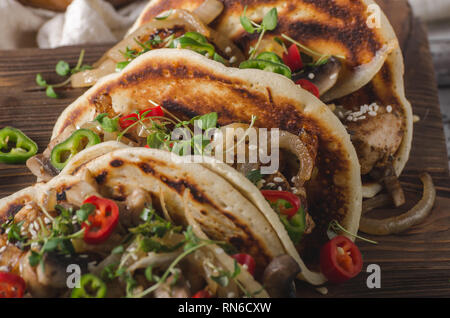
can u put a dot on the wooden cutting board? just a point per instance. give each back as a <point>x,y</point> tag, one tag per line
<point>416,263</point>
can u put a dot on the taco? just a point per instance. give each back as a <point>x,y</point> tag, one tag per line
<point>318,167</point>
<point>337,34</point>
<point>139,225</point>
<point>335,51</point>
<point>179,29</point>
<point>380,121</point>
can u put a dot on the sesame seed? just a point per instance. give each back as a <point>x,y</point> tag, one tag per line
<point>228,50</point>
<point>2,249</point>
<point>389,108</point>
<point>278,179</point>
<point>311,76</point>
<point>271,184</point>
<point>233,59</point>
<point>279,188</point>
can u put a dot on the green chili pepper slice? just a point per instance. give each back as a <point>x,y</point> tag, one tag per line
<point>267,66</point>
<point>271,57</point>
<point>295,226</point>
<point>78,141</point>
<point>200,38</point>
<point>15,146</point>
<point>90,287</point>
<point>186,42</point>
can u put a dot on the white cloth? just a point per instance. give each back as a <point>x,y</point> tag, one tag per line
<point>431,10</point>
<point>84,22</point>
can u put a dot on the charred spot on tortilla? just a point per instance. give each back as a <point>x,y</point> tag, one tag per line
<point>101,178</point>
<point>61,195</point>
<point>145,167</point>
<point>116,163</point>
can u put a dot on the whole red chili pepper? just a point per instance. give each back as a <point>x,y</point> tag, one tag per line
<point>102,222</point>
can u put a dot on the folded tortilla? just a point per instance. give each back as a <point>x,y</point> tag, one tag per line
<point>338,28</point>
<point>188,84</point>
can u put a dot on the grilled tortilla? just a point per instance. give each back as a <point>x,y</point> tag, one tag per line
<point>382,138</point>
<point>188,84</point>
<point>336,28</point>
<point>153,35</point>
<point>190,194</point>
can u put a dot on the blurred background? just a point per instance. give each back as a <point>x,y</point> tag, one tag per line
<point>54,23</point>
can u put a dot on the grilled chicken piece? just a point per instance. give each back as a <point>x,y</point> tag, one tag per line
<point>376,139</point>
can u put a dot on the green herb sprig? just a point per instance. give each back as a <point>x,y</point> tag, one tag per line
<point>269,23</point>
<point>334,228</point>
<point>62,68</point>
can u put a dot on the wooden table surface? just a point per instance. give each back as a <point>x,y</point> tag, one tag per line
<point>415,263</point>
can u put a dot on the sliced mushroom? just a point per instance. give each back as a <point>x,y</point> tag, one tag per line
<point>279,277</point>
<point>42,168</point>
<point>324,76</point>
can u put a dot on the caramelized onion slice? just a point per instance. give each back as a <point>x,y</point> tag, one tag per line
<point>295,145</point>
<point>209,10</point>
<point>287,141</point>
<point>406,220</point>
<point>90,77</point>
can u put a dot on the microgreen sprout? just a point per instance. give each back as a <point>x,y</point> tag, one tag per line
<point>334,228</point>
<point>269,23</point>
<point>62,68</point>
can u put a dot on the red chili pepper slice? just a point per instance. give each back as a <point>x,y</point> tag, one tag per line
<point>102,221</point>
<point>340,260</point>
<point>202,294</point>
<point>305,84</point>
<point>128,120</point>
<point>246,260</point>
<point>293,59</point>
<point>273,196</point>
<point>11,285</point>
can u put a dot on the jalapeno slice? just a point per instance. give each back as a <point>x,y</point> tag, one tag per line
<point>15,146</point>
<point>90,287</point>
<point>270,56</point>
<point>268,66</point>
<point>78,141</point>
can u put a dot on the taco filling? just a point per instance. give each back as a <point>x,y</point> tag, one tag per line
<point>284,189</point>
